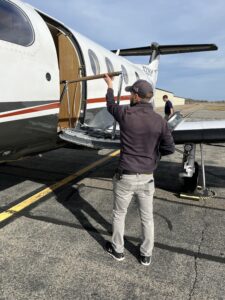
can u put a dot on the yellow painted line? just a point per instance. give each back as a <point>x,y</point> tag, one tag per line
<point>27,202</point>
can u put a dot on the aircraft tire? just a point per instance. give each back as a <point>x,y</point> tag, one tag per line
<point>189,184</point>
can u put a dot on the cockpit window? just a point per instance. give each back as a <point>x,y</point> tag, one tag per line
<point>15,27</point>
<point>94,62</point>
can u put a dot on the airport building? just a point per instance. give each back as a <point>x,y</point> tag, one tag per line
<point>175,99</point>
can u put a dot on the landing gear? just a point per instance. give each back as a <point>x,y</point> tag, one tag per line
<point>190,175</point>
<point>189,184</point>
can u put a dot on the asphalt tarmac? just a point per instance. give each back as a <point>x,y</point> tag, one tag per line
<point>54,248</point>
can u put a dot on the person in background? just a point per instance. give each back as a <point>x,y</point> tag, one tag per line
<point>169,111</point>
<point>144,137</point>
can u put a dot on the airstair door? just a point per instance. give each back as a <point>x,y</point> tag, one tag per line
<point>102,131</point>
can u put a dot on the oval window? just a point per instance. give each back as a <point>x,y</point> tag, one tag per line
<point>125,74</point>
<point>94,62</point>
<point>15,27</point>
<point>109,65</point>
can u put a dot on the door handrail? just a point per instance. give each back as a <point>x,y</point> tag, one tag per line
<point>93,77</point>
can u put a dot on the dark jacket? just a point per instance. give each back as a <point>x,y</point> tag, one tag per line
<point>168,106</point>
<point>144,135</point>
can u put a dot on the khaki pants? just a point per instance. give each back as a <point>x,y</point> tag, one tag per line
<point>141,185</point>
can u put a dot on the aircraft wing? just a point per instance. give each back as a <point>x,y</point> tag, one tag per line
<point>200,132</point>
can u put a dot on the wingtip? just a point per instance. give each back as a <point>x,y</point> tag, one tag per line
<point>214,47</point>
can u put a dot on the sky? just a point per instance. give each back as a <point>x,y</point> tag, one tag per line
<point>122,24</point>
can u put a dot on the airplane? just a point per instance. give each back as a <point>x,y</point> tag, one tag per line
<point>51,88</point>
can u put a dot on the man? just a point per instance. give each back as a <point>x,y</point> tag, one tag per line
<point>168,107</point>
<point>144,136</point>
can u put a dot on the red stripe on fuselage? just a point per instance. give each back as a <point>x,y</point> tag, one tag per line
<point>30,110</point>
<point>99,100</point>
<point>54,105</point>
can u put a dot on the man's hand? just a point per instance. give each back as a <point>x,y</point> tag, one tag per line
<point>109,81</point>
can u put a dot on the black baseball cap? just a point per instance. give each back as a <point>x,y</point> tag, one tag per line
<point>140,87</point>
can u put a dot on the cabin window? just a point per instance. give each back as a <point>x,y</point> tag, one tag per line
<point>15,27</point>
<point>137,76</point>
<point>109,65</point>
<point>125,74</point>
<point>94,62</point>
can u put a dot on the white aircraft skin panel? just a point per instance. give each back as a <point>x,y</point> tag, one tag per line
<point>97,88</point>
<point>218,124</point>
<point>153,74</point>
<point>25,68</point>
